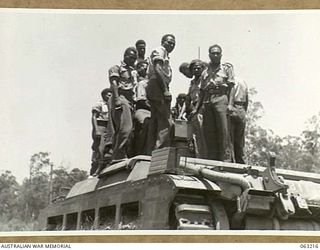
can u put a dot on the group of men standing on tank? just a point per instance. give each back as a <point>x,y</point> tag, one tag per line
<point>135,115</point>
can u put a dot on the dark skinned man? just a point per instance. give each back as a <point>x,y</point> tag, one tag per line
<point>142,111</point>
<point>141,48</point>
<point>238,118</point>
<point>122,81</point>
<point>216,83</point>
<point>102,131</point>
<point>158,95</point>
<point>196,68</point>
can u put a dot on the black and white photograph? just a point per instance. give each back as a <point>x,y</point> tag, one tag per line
<point>159,120</point>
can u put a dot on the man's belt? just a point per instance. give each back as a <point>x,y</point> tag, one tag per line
<point>103,123</point>
<point>239,103</point>
<point>216,91</point>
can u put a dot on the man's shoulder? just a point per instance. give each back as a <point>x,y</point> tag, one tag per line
<point>158,51</point>
<point>226,65</point>
<point>114,68</point>
<point>159,48</point>
<point>240,81</point>
<point>98,105</point>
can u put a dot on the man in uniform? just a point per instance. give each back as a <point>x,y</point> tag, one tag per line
<point>102,131</point>
<point>196,67</point>
<point>141,48</point>
<point>158,94</point>
<point>238,118</point>
<point>142,111</point>
<point>122,82</point>
<point>216,82</point>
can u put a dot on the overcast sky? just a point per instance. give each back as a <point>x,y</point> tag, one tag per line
<point>53,65</point>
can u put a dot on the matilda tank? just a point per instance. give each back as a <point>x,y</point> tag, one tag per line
<point>174,190</point>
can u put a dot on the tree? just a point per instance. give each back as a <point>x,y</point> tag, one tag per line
<point>311,144</point>
<point>293,152</point>
<point>259,141</point>
<point>34,194</point>
<point>9,188</point>
<point>62,179</point>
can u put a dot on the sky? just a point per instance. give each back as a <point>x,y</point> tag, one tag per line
<point>54,63</point>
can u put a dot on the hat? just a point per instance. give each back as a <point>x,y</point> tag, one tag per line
<point>185,69</point>
<point>194,62</point>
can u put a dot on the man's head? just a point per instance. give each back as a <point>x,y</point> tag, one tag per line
<point>106,94</point>
<point>196,67</point>
<point>215,53</point>
<point>185,69</point>
<point>142,68</point>
<point>141,48</point>
<point>181,98</point>
<point>168,41</point>
<point>130,56</point>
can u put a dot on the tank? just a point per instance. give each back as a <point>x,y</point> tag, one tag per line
<point>173,190</point>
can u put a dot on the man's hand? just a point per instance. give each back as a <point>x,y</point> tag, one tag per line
<point>230,109</point>
<point>117,103</point>
<point>192,114</point>
<point>167,96</point>
<point>97,134</point>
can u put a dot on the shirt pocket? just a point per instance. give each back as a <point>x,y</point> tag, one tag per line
<point>220,77</point>
<point>124,73</point>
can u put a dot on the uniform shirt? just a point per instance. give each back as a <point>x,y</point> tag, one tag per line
<point>218,80</point>
<point>241,90</point>
<point>155,89</point>
<point>194,90</point>
<point>126,79</point>
<point>102,109</point>
<point>161,54</point>
<point>141,89</point>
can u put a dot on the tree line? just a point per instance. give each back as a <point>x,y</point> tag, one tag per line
<point>20,204</point>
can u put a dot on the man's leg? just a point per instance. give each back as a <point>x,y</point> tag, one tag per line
<point>196,122</point>
<point>209,129</point>
<point>165,124</point>
<point>152,128</point>
<point>141,130</point>
<point>223,136</point>
<point>124,123</point>
<point>239,124</point>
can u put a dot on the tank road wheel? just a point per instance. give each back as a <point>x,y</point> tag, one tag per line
<point>219,216</point>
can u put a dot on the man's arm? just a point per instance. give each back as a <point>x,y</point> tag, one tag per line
<point>187,103</point>
<point>231,98</point>
<point>94,122</point>
<point>247,101</point>
<point>113,79</point>
<point>160,75</point>
<point>198,105</point>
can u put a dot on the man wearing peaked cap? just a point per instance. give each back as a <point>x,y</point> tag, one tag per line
<point>196,68</point>
<point>216,82</point>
